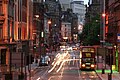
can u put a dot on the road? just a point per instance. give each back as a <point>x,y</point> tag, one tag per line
<point>65,67</point>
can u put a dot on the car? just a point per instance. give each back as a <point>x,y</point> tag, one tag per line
<point>74,48</point>
<point>44,61</point>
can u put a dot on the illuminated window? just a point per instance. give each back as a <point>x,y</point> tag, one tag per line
<point>88,54</point>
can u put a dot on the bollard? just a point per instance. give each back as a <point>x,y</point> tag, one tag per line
<point>103,71</point>
<point>109,76</point>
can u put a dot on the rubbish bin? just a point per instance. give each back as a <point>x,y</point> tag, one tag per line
<point>109,76</point>
<point>103,71</point>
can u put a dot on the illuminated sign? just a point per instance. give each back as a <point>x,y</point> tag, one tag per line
<point>88,50</point>
<point>87,54</point>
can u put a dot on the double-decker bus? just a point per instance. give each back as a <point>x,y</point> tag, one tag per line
<point>87,57</point>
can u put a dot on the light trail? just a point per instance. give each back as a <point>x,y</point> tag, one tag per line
<point>52,67</point>
<point>38,78</point>
<point>60,66</point>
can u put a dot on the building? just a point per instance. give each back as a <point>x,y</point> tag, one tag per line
<point>79,8</point>
<point>38,27</point>
<point>113,29</point>
<point>15,35</point>
<point>66,31</point>
<point>65,4</point>
<point>53,13</point>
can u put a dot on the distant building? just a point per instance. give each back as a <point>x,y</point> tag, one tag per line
<point>53,13</point>
<point>66,31</point>
<point>79,9</point>
<point>65,4</point>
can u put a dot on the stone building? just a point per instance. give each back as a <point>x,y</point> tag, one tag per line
<point>15,35</point>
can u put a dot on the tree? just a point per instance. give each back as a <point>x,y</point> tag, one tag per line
<point>91,30</point>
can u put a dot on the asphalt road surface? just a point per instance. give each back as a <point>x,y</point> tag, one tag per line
<point>65,67</point>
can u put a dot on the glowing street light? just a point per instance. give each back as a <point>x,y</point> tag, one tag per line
<point>37,16</point>
<point>103,15</point>
<point>49,22</point>
<point>50,32</point>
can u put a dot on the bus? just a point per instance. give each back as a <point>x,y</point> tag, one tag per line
<point>87,57</point>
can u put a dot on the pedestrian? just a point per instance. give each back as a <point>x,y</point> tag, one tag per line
<point>36,61</point>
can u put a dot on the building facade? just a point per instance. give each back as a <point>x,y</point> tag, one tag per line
<point>113,30</point>
<point>66,32</point>
<point>79,8</point>
<point>65,4</point>
<point>53,13</point>
<point>15,35</point>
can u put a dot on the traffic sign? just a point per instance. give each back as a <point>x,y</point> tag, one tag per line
<point>118,37</point>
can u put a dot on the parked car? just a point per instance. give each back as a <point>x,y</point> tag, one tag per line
<point>44,61</point>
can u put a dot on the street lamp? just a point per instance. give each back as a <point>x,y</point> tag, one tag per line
<point>37,32</point>
<point>49,22</point>
<point>50,34</point>
<point>103,29</point>
<point>103,15</point>
<point>37,16</point>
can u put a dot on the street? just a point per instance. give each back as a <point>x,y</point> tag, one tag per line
<point>66,67</point>
<point>59,40</point>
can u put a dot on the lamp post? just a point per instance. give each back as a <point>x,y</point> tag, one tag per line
<point>38,33</point>
<point>50,34</point>
<point>110,74</point>
<point>103,34</point>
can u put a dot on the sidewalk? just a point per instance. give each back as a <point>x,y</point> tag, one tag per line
<point>114,76</point>
<point>35,68</point>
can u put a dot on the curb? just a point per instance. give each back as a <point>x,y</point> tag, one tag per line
<point>98,75</point>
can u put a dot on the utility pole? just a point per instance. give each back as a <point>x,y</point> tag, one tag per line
<point>103,34</point>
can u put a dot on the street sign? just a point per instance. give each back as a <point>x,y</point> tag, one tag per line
<point>118,37</point>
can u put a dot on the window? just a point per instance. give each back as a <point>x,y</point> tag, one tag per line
<point>1,8</point>
<point>90,60</point>
<point>19,33</point>
<point>3,56</point>
<point>1,32</point>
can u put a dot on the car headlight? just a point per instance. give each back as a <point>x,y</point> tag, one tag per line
<point>92,65</point>
<point>83,65</point>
